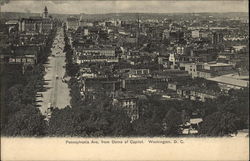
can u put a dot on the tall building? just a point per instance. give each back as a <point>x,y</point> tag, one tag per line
<point>173,35</point>
<point>195,34</point>
<point>45,13</point>
<point>84,23</point>
<point>42,24</point>
<point>72,23</point>
<point>217,37</point>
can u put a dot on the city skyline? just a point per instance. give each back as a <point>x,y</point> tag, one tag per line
<point>96,7</point>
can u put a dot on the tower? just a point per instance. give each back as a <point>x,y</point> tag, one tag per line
<point>138,30</point>
<point>217,37</point>
<point>45,13</point>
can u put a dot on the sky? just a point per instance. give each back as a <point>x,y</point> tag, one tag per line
<point>131,6</point>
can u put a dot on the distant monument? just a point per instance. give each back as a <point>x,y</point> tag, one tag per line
<point>45,13</point>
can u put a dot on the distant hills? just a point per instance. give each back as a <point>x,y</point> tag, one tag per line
<point>125,16</point>
<point>18,15</point>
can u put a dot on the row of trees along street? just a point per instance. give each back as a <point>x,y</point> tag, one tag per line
<point>19,114</point>
<point>71,67</point>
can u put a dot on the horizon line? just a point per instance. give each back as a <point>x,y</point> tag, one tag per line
<point>129,12</point>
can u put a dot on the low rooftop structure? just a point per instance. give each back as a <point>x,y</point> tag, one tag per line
<point>232,80</point>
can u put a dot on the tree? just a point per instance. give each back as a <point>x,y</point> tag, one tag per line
<point>95,119</point>
<point>119,123</point>
<point>76,98</point>
<point>62,123</point>
<point>26,122</point>
<point>19,116</point>
<point>171,123</point>
<point>240,105</point>
<point>144,127</point>
<point>72,69</point>
<point>219,124</point>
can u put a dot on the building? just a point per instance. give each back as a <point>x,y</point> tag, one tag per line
<point>25,60</point>
<point>195,34</point>
<point>45,13</point>
<point>129,104</point>
<point>165,34</point>
<point>231,81</point>
<point>100,84</point>
<point>217,37</point>
<point>200,34</point>
<point>131,39</point>
<point>132,54</point>
<point>12,26</point>
<point>192,68</point>
<point>180,50</point>
<point>86,23</point>
<point>173,35</point>
<point>42,24</point>
<point>95,58</point>
<point>191,126</point>
<point>138,72</point>
<point>202,95</point>
<point>85,32</point>
<point>206,70</point>
<point>195,93</point>
<point>24,56</point>
<point>204,34</point>
<point>218,66</point>
<point>72,23</point>
<point>202,73</point>
<point>164,61</point>
<point>173,86</point>
<point>173,59</point>
<point>105,54</point>
<point>135,83</point>
<point>95,51</point>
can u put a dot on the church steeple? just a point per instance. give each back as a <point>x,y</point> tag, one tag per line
<point>45,13</point>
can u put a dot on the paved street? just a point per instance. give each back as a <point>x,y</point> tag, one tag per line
<point>57,91</point>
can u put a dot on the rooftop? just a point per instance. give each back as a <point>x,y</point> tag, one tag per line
<point>199,90</point>
<point>226,79</point>
<point>217,64</point>
<point>72,19</point>
<point>11,22</point>
<point>237,76</point>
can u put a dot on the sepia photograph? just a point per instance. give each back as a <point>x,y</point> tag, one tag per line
<point>113,70</point>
